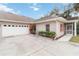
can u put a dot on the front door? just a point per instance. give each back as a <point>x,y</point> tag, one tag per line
<point>69,28</point>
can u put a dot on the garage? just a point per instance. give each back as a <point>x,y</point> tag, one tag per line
<point>12,24</point>
<point>14,29</point>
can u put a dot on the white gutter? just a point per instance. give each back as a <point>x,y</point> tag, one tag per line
<point>75,20</point>
<point>49,20</point>
<point>54,19</point>
<point>3,20</point>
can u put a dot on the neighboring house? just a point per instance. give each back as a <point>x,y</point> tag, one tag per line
<point>11,24</point>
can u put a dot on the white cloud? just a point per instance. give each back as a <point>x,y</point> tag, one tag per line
<point>5,8</point>
<point>74,14</point>
<point>42,15</point>
<point>34,8</point>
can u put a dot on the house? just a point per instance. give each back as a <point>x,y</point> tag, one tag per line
<point>57,24</point>
<point>11,24</point>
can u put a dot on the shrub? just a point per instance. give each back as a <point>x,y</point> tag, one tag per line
<point>42,33</point>
<point>47,34</point>
<point>50,34</point>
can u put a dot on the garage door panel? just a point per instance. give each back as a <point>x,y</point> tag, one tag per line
<point>10,31</point>
<point>7,31</point>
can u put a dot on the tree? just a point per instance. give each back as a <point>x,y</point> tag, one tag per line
<point>54,11</point>
<point>67,11</point>
<point>76,6</point>
<point>66,14</point>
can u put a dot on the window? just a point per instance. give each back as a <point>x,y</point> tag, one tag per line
<point>5,25</point>
<point>22,25</point>
<point>47,27</point>
<point>12,25</point>
<point>9,25</point>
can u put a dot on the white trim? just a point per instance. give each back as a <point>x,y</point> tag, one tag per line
<point>61,19</point>
<point>53,19</point>
<point>69,21</point>
<point>71,30</point>
<point>57,28</point>
<point>6,20</point>
<point>75,28</point>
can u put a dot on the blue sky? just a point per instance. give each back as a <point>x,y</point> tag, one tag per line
<point>34,10</point>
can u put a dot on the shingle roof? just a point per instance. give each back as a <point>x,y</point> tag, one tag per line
<point>14,17</point>
<point>24,19</point>
<point>72,18</point>
<point>48,17</point>
<point>51,18</point>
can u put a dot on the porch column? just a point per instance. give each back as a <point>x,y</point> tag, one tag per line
<point>75,28</point>
<point>0,31</point>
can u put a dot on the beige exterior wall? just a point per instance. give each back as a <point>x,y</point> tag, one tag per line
<point>54,26</point>
<point>42,26</point>
<point>58,31</point>
<point>0,31</point>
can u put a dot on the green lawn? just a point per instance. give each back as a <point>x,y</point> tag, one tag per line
<point>75,39</point>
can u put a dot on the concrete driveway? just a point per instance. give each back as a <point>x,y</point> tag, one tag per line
<point>66,37</point>
<point>32,45</point>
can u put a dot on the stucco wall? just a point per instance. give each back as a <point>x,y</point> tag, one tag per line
<point>59,32</point>
<point>0,31</point>
<point>42,26</point>
<point>54,26</point>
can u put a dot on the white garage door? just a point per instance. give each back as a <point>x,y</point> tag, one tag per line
<point>11,30</point>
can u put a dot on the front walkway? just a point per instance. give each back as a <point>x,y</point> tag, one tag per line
<point>30,45</point>
<point>66,37</point>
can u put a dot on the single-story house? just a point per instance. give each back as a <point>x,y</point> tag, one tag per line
<point>57,24</point>
<point>11,24</point>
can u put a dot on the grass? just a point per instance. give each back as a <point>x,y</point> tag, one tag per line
<point>75,39</point>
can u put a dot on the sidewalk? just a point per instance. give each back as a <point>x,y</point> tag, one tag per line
<point>65,38</point>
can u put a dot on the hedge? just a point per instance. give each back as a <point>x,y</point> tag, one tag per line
<point>47,34</point>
